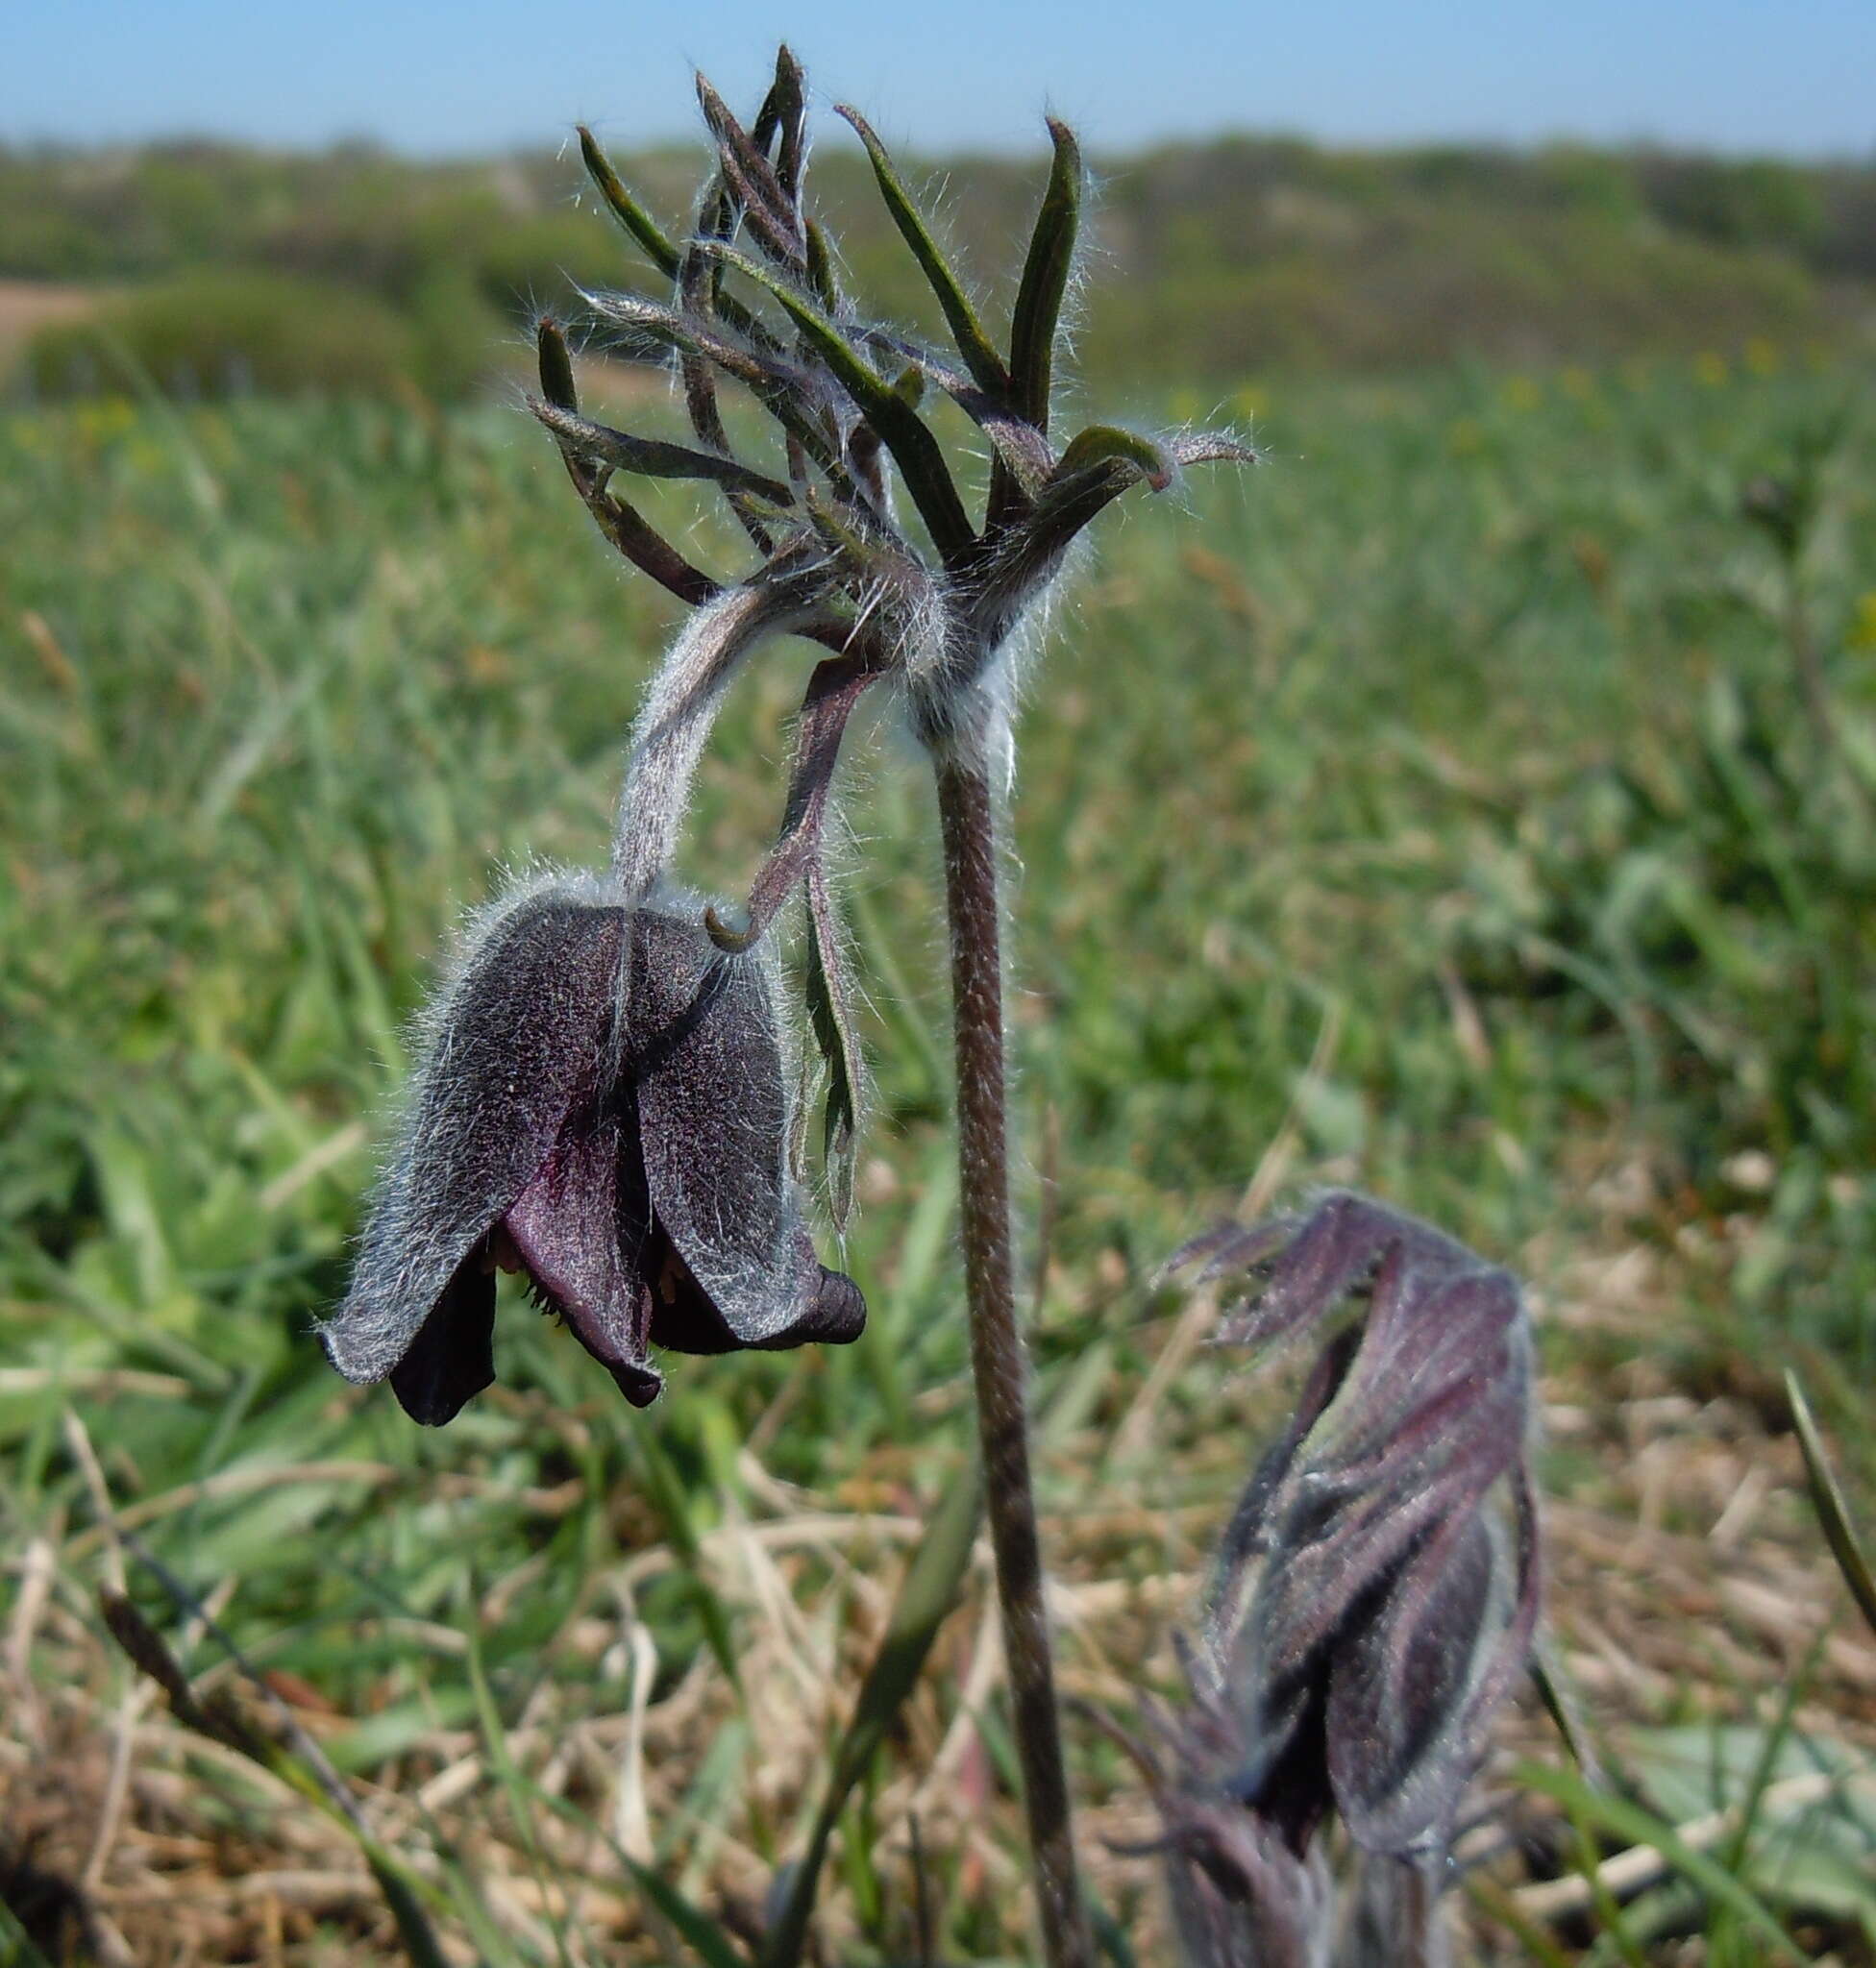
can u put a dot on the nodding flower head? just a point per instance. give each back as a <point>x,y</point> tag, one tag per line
<point>757,302</point>
<point>600,1105</point>
<point>1372,1602</point>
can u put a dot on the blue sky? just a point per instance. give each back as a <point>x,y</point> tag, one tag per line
<point>1740,75</point>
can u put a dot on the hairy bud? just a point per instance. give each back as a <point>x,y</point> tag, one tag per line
<point>1376,1592</point>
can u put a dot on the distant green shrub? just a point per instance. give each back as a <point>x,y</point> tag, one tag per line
<point>224,333</point>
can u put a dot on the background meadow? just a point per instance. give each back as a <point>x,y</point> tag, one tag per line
<point>1477,803</point>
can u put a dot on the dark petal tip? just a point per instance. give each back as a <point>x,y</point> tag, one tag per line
<point>839,1314</point>
<point>452,1359</point>
<point>641,1385</point>
<point>832,1315</point>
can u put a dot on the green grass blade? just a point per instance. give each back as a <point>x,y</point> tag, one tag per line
<point>927,1595</point>
<point>495,1741</point>
<point>20,1950</point>
<point>1629,1822</point>
<point>1827,1500</point>
<point>711,1944</point>
<point>1498,1905</point>
<point>1559,1707</point>
<point>400,1889</point>
<point>311,1776</point>
<point>831,1018</point>
<point>666,1490</point>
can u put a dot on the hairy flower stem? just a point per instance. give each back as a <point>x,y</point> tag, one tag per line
<point>967,818</point>
<point>1421,1934</point>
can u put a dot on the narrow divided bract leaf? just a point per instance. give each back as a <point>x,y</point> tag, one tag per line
<point>1213,447</point>
<point>777,385</point>
<point>1022,450</point>
<point>914,449</point>
<point>783,119</point>
<point>1046,279</point>
<point>665,329</point>
<point>973,345</point>
<point>821,279</point>
<point>556,366</point>
<point>832,691</point>
<point>767,210</point>
<point>1099,465</point>
<point>1827,1500</point>
<point>644,546</point>
<point>831,1017</point>
<point>1102,444</point>
<point>652,458</point>
<point>700,291</point>
<point>640,226</point>
<point>619,521</point>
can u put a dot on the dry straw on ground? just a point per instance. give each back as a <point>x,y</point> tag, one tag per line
<point>1687,1582</point>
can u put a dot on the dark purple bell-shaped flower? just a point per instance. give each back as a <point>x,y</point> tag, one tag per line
<point>600,1103</point>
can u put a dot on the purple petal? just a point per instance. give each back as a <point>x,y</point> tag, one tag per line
<point>518,1039</point>
<point>452,1359</point>
<point>685,1319</point>
<point>579,1239</point>
<point>713,1122</point>
<point>1401,1738</point>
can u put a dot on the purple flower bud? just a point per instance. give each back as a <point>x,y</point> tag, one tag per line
<point>1393,1606</point>
<point>1373,1600</point>
<point>631,1162</point>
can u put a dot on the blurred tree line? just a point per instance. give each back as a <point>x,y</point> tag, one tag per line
<point>222,267</point>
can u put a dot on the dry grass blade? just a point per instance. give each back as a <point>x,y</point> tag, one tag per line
<point>1627,1872</point>
<point>303,1763</point>
<point>1617,1817</point>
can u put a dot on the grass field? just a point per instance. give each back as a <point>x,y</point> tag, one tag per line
<point>1440,809</point>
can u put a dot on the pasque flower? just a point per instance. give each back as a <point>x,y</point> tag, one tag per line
<point>853,508</point>
<point>1372,1603</point>
<point>599,1104</point>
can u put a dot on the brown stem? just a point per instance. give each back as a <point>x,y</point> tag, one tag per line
<point>967,818</point>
